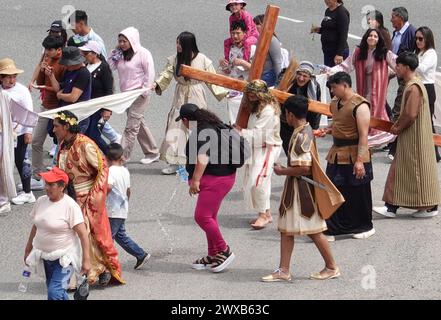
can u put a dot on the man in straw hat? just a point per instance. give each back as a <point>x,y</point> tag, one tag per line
<point>12,114</point>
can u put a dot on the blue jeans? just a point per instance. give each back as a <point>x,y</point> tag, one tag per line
<point>269,77</point>
<point>57,280</point>
<point>119,234</point>
<point>110,133</point>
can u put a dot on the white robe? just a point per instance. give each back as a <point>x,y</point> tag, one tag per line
<point>263,134</point>
<point>10,111</point>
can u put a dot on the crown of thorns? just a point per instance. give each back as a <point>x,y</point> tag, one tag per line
<point>257,86</point>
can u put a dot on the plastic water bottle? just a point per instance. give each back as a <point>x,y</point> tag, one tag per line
<point>24,284</point>
<point>182,174</point>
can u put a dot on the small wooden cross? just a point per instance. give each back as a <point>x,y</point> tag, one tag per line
<point>256,70</point>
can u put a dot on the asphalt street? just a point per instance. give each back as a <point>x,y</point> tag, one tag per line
<point>401,261</point>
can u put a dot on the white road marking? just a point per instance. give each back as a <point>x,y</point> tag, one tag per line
<point>292,20</point>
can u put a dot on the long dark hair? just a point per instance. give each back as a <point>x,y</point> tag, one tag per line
<point>258,20</point>
<point>128,54</point>
<point>380,51</point>
<point>203,116</point>
<point>429,41</point>
<point>377,16</point>
<point>190,50</point>
<point>70,190</point>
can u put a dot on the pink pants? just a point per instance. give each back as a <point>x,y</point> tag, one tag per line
<point>248,42</point>
<point>213,190</point>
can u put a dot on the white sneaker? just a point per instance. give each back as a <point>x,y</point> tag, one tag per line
<point>6,208</point>
<point>391,157</point>
<point>36,185</point>
<point>330,238</point>
<point>425,214</point>
<point>364,235</point>
<point>23,198</point>
<point>383,211</point>
<point>171,169</point>
<point>150,159</point>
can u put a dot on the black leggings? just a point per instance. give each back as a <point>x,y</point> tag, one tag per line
<point>20,154</point>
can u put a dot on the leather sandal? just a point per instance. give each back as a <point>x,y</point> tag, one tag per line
<point>260,223</point>
<point>266,216</point>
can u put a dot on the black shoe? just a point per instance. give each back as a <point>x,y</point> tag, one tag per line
<point>222,260</point>
<point>142,261</point>
<point>104,278</point>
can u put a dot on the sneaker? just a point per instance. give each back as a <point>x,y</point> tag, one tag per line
<point>53,150</point>
<point>202,263</point>
<point>391,157</point>
<point>170,170</point>
<point>430,213</point>
<point>6,208</point>
<point>150,159</point>
<point>384,212</point>
<point>276,276</point>
<point>23,198</point>
<point>36,185</point>
<point>364,235</point>
<point>142,261</point>
<point>330,238</point>
<point>222,260</point>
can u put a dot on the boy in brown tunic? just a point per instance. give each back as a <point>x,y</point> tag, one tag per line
<point>299,213</point>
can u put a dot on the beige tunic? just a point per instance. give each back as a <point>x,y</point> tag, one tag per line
<point>293,222</point>
<point>186,91</point>
<point>412,181</point>
<point>263,134</point>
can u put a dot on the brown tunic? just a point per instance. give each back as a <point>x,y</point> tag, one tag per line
<point>344,127</point>
<point>412,181</point>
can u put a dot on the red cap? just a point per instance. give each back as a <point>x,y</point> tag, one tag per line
<point>55,175</point>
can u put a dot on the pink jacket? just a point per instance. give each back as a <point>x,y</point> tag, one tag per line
<point>140,71</point>
<point>248,19</point>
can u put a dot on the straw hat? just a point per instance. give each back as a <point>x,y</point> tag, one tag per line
<point>7,66</point>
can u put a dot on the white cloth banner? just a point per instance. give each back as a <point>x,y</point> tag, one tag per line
<point>117,103</point>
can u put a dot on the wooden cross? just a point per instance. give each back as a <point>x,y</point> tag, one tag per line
<point>256,70</point>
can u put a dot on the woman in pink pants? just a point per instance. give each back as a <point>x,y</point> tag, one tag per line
<point>210,179</point>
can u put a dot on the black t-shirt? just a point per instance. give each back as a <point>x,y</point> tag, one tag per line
<point>334,30</point>
<point>77,79</point>
<point>207,140</point>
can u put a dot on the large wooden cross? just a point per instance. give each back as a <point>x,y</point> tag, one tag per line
<point>255,72</point>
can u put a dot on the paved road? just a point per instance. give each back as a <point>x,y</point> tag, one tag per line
<point>402,260</point>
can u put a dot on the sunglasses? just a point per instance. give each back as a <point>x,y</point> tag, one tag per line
<point>419,38</point>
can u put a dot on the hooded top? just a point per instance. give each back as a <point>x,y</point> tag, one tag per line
<point>140,71</point>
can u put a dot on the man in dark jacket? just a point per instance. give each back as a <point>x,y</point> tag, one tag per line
<point>403,39</point>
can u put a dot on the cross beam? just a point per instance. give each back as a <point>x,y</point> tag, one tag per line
<point>314,106</point>
<point>269,26</point>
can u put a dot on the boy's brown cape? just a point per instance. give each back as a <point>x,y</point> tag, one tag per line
<point>329,200</point>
